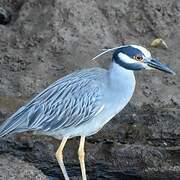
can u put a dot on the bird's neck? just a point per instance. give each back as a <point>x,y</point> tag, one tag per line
<point>120,78</point>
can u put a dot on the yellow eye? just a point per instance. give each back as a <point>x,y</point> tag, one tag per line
<point>138,58</point>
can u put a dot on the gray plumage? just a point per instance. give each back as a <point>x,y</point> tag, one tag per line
<point>81,103</point>
<point>67,103</point>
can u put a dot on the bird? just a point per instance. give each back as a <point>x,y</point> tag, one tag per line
<point>81,103</point>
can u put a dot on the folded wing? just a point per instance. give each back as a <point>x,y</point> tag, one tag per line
<point>69,102</point>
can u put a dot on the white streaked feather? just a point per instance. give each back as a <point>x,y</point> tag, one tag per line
<point>100,110</point>
<point>144,50</point>
<point>106,51</point>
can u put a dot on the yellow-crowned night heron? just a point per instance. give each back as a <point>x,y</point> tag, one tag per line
<point>81,103</point>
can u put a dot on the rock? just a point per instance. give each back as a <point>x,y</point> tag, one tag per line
<point>12,168</point>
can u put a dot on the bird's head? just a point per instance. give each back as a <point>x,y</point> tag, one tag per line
<point>134,57</point>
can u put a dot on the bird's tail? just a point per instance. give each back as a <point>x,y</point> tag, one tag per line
<point>16,123</point>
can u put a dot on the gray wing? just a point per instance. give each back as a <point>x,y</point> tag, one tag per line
<point>69,102</point>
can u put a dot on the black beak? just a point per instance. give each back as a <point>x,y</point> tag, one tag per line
<point>154,63</point>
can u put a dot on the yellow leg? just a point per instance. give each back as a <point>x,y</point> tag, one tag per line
<point>59,157</point>
<point>81,157</point>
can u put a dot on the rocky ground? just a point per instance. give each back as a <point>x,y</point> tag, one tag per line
<point>46,39</point>
<point>12,168</point>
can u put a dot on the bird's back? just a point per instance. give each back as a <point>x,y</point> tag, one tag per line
<point>68,102</point>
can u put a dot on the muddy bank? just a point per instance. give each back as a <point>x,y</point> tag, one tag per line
<point>46,39</point>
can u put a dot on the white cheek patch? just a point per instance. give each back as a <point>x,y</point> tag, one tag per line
<point>126,58</point>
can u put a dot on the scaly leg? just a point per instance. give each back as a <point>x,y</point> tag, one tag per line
<point>59,157</point>
<point>81,157</point>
